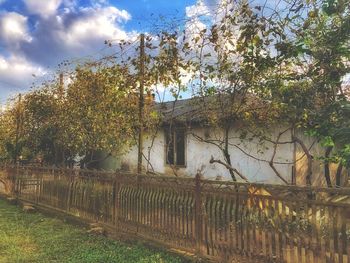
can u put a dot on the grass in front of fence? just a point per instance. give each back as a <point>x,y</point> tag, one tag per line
<point>36,238</point>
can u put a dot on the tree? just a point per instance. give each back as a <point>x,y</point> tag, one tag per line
<point>263,65</point>
<point>8,127</point>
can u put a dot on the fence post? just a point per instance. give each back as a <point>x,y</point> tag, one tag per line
<point>12,181</point>
<point>37,188</point>
<point>116,189</point>
<point>138,213</point>
<point>198,213</point>
<point>19,182</point>
<point>70,191</point>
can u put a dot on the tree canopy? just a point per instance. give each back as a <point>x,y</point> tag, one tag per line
<point>264,64</point>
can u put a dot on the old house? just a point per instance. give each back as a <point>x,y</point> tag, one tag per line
<point>184,144</point>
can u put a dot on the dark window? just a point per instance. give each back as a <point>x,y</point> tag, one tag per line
<point>175,147</point>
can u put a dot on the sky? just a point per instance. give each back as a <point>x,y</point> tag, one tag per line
<point>36,35</point>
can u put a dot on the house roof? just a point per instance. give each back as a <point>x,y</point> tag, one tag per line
<point>199,109</point>
<point>179,110</point>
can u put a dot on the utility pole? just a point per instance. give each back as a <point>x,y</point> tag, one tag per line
<point>60,149</point>
<point>61,88</point>
<point>141,102</point>
<point>18,124</point>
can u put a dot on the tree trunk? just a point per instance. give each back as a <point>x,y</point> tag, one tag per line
<point>63,161</point>
<point>309,160</point>
<point>326,166</point>
<point>55,157</point>
<point>228,160</point>
<point>338,175</point>
<point>227,154</point>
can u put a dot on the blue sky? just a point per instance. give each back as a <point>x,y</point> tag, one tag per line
<point>140,10</point>
<point>36,35</point>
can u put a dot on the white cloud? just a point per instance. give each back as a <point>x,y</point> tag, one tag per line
<point>100,23</point>
<point>13,28</point>
<point>196,14</point>
<point>75,32</point>
<point>70,4</point>
<point>17,66</point>
<point>63,30</point>
<point>99,3</point>
<point>44,8</point>
<point>197,10</point>
<point>16,74</point>
<point>215,10</point>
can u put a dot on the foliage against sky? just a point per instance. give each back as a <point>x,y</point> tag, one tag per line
<point>37,35</point>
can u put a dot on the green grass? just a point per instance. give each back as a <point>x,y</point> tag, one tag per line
<point>36,238</point>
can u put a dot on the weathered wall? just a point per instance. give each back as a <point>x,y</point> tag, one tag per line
<point>198,155</point>
<point>316,151</point>
<point>249,157</point>
<point>154,148</point>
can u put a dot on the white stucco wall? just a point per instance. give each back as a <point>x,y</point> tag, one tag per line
<point>157,151</point>
<point>199,153</point>
<point>255,170</point>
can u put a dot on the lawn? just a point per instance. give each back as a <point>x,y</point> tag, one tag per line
<point>37,238</point>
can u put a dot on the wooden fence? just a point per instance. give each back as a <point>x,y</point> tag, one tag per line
<point>220,221</point>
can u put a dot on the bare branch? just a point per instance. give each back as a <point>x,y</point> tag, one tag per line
<point>212,160</point>
<point>273,157</point>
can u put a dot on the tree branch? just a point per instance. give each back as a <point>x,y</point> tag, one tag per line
<point>229,167</point>
<point>273,157</point>
<point>309,159</point>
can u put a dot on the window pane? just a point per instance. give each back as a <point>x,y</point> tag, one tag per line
<point>180,147</point>
<point>169,147</point>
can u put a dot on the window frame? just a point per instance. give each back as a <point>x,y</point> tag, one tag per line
<point>173,134</point>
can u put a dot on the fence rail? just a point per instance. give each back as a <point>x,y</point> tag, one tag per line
<point>222,221</point>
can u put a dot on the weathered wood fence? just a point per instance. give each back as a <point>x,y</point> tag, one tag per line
<point>221,221</point>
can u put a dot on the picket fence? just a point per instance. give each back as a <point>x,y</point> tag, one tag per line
<point>216,220</point>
